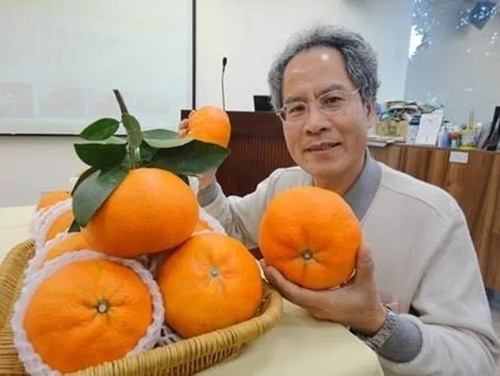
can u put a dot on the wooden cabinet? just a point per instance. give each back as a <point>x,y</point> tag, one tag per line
<point>474,184</point>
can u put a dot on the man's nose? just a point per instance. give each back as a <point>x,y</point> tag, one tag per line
<point>315,120</point>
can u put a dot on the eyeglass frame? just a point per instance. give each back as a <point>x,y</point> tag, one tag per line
<point>316,101</point>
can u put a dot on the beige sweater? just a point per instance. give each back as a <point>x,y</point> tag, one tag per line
<point>424,258</point>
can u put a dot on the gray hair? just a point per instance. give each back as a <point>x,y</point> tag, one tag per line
<point>359,58</point>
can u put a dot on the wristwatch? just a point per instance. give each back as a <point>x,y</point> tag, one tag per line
<point>376,341</point>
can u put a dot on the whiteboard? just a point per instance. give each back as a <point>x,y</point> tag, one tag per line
<point>61,59</point>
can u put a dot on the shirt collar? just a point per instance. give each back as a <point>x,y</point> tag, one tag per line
<point>361,194</point>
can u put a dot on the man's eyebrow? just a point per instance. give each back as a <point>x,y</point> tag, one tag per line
<point>331,88</point>
<point>325,90</point>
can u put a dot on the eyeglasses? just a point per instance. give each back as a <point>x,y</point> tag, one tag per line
<point>329,103</point>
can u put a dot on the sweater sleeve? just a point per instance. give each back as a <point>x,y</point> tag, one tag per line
<point>454,317</point>
<point>240,216</point>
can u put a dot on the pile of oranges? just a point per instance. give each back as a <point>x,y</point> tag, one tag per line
<point>92,296</point>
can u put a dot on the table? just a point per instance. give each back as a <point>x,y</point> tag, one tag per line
<point>298,345</point>
<point>15,227</point>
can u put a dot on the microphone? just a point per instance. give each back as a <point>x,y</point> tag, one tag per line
<point>224,63</point>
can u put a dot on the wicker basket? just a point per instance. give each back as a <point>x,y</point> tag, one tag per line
<point>182,358</point>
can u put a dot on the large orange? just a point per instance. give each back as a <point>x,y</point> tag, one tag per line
<point>86,313</point>
<point>209,282</point>
<point>150,211</point>
<point>52,198</point>
<point>73,242</point>
<point>311,236</point>
<point>210,124</point>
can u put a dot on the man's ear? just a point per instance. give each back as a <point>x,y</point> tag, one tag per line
<point>370,114</point>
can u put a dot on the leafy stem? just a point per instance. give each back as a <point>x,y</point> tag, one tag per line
<point>134,134</point>
<point>121,102</point>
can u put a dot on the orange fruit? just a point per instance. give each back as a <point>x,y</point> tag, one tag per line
<point>73,242</point>
<point>60,224</point>
<point>311,236</point>
<point>86,313</point>
<point>210,124</point>
<point>52,198</point>
<point>210,282</point>
<point>151,210</point>
<point>202,225</point>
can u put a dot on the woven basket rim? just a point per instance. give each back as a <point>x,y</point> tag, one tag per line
<point>163,358</point>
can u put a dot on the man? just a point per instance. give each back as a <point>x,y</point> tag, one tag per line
<point>417,297</point>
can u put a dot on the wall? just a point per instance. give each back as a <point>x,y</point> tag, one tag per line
<point>249,34</point>
<point>460,68</point>
<point>30,165</point>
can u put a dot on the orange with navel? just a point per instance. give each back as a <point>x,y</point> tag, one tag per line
<point>210,124</point>
<point>210,282</point>
<point>87,313</point>
<point>151,210</point>
<point>311,236</point>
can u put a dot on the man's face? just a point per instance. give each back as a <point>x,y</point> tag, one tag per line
<point>326,143</point>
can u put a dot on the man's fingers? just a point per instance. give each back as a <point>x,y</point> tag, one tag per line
<point>183,127</point>
<point>365,266</point>
<point>289,290</point>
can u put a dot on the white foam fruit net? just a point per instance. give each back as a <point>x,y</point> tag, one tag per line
<point>32,361</point>
<point>37,260</point>
<point>214,224</point>
<point>43,219</point>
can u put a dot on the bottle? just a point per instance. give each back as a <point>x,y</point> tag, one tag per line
<point>443,136</point>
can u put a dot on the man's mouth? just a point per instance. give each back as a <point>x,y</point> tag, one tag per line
<point>324,146</point>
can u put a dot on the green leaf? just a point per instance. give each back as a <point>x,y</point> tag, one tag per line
<point>147,153</point>
<point>164,138</point>
<point>100,129</point>
<point>93,192</point>
<point>101,154</point>
<point>160,134</point>
<point>134,138</point>
<point>133,130</point>
<point>193,158</point>
<point>166,144</point>
<point>82,177</point>
<point>75,227</point>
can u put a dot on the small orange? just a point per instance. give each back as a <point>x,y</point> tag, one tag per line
<point>60,224</point>
<point>210,124</point>
<point>151,210</point>
<point>73,242</point>
<point>209,282</point>
<point>87,313</point>
<point>311,236</point>
<point>52,198</point>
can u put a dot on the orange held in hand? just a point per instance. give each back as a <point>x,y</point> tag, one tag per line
<point>209,124</point>
<point>311,236</point>
<point>151,210</point>
<point>210,282</point>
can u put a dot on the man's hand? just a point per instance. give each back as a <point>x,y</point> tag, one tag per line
<point>209,176</point>
<point>355,304</point>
